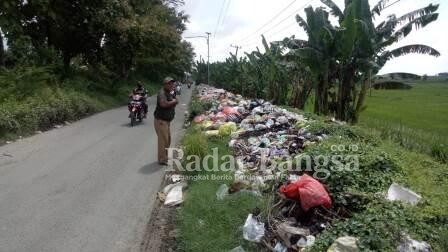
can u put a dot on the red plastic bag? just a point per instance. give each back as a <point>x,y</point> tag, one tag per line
<point>310,192</point>
<point>199,119</point>
<point>230,111</point>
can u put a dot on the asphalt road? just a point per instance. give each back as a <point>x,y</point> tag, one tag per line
<point>89,186</point>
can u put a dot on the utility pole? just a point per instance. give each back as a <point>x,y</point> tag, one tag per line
<point>208,52</point>
<point>208,57</point>
<point>237,47</point>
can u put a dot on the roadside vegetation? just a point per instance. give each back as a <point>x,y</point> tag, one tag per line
<point>55,69</point>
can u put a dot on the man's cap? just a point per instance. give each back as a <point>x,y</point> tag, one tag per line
<point>168,79</point>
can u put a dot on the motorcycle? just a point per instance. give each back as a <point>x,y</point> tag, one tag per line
<point>136,109</point>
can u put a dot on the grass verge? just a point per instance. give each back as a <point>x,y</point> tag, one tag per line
<point>206,223</point>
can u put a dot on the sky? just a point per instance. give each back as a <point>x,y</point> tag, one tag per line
<point>241,23</point>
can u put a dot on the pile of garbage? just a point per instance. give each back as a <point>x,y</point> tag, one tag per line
<point>264,136</point>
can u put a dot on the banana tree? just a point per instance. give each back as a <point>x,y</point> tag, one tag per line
<point>273,71</point>
<point>361,49</point>
<point>318,52</point>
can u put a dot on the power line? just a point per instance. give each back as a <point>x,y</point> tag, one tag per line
<point>256,39</point>
<point>272,19</point>
<point>225,12</point>
<point>283,20</point>
<point>219,18</point>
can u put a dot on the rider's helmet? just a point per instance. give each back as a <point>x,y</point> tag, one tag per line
<point>139,85</point>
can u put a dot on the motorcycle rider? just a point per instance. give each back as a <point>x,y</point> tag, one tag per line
<point>141,90</point>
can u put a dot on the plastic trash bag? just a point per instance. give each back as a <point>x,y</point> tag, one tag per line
<point>397,192</point>
<point>174,194</point>
<point>282,120</point>
<point>308,191</point>
<point>212,133</point>
<point>199,119</point>
<point>230,111</point>
<point>306,242</point>
<point>237,249</point>
<point>222,192</point>
<point>227,129</point>
<point>410,245</point>
<point>344,244</point>
<point>253,230</point>
<point>280,248</point>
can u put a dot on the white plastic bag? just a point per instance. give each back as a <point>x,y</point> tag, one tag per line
<point>280,248</point>
<point>222,192</point>
<point>237,249</point>
<point>410,245</point>
<point>397,192</point>
<point>253,230</point>
<point>174,194</point>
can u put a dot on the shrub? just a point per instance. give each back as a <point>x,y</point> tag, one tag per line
<point>195,143</point>
<point>391,85</point>
<point>198,107</point>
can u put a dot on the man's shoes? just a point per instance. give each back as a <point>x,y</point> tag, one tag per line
<point>144,116</point>
<point>163,163</point>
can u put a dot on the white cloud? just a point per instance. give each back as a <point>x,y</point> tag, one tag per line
<point>244,17</point>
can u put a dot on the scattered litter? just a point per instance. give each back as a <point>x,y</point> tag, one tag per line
<point>173,194</point>
<point>161,196</point>
<point>237,249</point>
<point>410,245</point>
<point>280,248</point>
<point>222,192</point>
<point>38,132</point>
<point>306,242</point>
<point>8,142</point>
<point>7,155</point>
<point>253,230</point>
<point>344,244</point>
<point>290,234</point>
<point>176,178</point>
<point>308,191</point>
<point>397,192</point>
<point>58,126</point>
<point>210,133</point>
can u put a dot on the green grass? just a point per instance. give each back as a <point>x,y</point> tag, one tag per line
<point>416,118</point>
<point>209,224</point>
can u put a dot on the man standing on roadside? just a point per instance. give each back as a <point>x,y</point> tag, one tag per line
<point>163,115</point>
